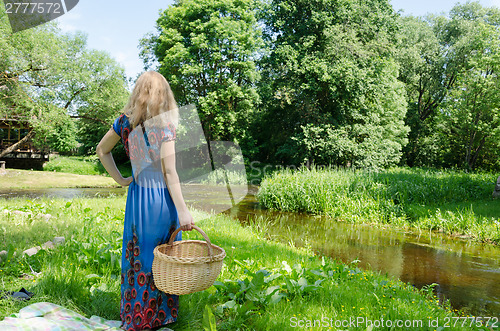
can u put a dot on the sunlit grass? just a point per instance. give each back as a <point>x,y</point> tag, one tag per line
<point>28,179</point>
<point>85,278</point>
<point>82,165</point>
<point>426,199</point>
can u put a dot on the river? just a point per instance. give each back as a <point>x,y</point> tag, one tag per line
<point>467,273</point>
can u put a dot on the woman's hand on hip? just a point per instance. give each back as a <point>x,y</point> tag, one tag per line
<point>186,220</point>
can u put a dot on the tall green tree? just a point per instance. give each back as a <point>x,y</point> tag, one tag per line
<point>331,77</point>
<point>422,59</point>
<point>207,50</point>
<point>471,116</point>
<point>58,85</point>
<point>92,90</point>
<point>27,61</point>
<point>435,53</point>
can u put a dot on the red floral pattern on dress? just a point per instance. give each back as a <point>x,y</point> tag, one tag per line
<point>141,306</point>
<point>141,279</point>
<point>138,148</point>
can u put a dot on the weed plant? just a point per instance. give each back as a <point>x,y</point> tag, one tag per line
<point>425,199</point>
<point>264,285</point>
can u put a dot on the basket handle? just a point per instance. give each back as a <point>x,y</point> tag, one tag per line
<point>209,244</point>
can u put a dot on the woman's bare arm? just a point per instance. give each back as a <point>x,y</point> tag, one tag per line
<point>174,187</point>
<point>104,152</point>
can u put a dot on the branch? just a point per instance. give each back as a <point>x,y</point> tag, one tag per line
<point>90,118</point>
<point>20,142</point>
<point>476,153</point>
<point>74,96</point>
<point>14,75</point>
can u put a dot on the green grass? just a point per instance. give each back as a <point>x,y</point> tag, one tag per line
<point>486,208</point>
<point>83,274</point>
<point>423,199</point>
<point>63,171</point>
<point>82,165</point>
<point>28,179</point>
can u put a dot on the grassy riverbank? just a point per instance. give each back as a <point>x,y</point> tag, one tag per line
<point>82,165</point>
<point>29,179</point>
<point>264,285</point>
<point>447,201</point>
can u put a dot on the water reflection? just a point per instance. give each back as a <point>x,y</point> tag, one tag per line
<point>467,273</point>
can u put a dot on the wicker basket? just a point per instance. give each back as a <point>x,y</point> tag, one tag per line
<point>186,266</point>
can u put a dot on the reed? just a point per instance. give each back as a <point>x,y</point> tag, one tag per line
<point>400,196</point>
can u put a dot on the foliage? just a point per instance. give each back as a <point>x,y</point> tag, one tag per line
<point>395,196</point>
<point>422,61</point>
<point>59,85</point>
<point>331,77</point>
<point>207,51</point>
<point>28,59</point>
<point>95,90</point>
<point>209,319</point>
<point>56,129</point>
<point>262,287</point>
<point>327,82</point>
<point>449,66</point>
<point>471,118</point>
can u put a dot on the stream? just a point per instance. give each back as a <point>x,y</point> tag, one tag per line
<point>466,273</point>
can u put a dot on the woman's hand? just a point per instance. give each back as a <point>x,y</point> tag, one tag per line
<point>186,221</point>
<point>125,181</point>
<point>103,150</point>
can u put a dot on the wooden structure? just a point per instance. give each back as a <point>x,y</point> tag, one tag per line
<point>26,155</point>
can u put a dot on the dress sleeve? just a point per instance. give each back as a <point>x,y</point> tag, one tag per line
<point>168,133</point>
<point>117,125</point>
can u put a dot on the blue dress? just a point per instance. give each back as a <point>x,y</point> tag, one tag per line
<point>150,219</point>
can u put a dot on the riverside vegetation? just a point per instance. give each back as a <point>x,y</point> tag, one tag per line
<point>452,202</point>
<point>82,165</point>
<point>264,285</point>
<point>62,171</point>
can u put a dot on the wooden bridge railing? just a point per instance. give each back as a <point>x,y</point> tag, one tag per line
<point>25,147</point>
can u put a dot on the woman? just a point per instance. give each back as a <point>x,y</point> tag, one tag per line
<point>155,205</point>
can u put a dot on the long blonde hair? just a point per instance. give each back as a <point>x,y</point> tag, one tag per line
<point>150,98</point>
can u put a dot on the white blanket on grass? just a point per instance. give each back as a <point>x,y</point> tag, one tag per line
<point>49,316</point>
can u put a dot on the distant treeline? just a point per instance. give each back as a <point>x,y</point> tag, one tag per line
<point>333,82</point>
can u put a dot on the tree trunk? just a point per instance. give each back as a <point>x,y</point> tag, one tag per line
<point>20,142</point>
<point>472,162</point>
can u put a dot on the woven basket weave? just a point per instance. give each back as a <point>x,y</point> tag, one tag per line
<point>186,266</point>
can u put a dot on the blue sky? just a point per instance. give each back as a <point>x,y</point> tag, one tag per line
<point>117,26</point>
